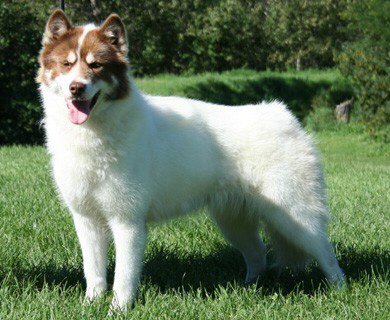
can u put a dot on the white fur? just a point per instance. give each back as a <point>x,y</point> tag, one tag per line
<point>72,57</point>
<point>150,158</point>
<point>89,58</point>
<point>87,28</point>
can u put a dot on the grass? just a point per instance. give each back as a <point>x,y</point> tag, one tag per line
<point>190,272</point>
<point>297,89</point>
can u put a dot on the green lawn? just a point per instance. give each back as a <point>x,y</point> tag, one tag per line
<point>190,272</point>
<point>297,89</point>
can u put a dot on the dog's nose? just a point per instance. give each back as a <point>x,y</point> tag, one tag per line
<point>77,88</point>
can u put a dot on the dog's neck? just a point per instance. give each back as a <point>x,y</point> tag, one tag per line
<point>110,121</point>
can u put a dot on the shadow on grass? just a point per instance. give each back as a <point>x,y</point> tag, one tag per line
<point>227,266</point>
<point>296,93</point>
<point>165,270</point>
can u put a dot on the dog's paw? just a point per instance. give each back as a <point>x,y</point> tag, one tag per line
<point>253,281</point>
<point>338,281</point>
<point>120,303</point>
<point>117,307</point>
<point>95,292</point>
<point>115,310</point>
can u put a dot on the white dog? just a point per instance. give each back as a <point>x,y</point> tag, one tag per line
<point>121,158</point>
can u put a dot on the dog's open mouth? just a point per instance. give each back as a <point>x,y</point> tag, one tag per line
<point>79,110</point>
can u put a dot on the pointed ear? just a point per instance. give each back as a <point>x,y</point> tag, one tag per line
<point>57,25</point>
<point>114,29</point>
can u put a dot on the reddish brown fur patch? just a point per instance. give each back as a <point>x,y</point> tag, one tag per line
<point>54,54</point>
<point>113,63</point>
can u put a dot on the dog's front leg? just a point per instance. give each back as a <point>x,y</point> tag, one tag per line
<point>93,241</point>
<point>130,239</point>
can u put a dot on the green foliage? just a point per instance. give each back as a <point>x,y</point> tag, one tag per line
<point>321,116</point>
<point>197,36</point>
<point>303,33</point>
<point>228,35</point>
<point>194,36</point>
<point>20,36</point>
<point>366,60</point>
<point>321,119</point>
<point>186,36</point>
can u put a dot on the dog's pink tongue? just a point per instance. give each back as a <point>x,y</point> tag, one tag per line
<point>78,110</point>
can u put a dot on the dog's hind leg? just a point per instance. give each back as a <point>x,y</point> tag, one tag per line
<point>286,253</point>
<point>305,240</point>
<point>243,234</point>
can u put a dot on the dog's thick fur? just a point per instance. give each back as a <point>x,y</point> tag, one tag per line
<point>134,158</point>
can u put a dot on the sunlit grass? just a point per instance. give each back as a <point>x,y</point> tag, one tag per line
<point>189,270</point>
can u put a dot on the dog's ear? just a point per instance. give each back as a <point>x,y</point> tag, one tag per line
<point>57,25</point>
<point>114,29</point>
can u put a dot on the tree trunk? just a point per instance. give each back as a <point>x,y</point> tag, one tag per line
<point>343,110</point>
<point>298,64</point>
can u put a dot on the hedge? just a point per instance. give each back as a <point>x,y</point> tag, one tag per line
<point>172,36</point>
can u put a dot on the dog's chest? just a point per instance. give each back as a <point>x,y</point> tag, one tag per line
<point>79,175</point>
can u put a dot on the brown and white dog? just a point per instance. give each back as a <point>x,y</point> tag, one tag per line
<point>121,158</point>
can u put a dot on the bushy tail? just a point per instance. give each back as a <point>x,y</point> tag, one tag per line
<point>286,253</point>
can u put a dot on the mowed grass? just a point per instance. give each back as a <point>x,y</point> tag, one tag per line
<point>190,272</point>
<point>297,89</point>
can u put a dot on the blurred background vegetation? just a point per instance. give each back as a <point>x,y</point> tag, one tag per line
<point>189,37</point>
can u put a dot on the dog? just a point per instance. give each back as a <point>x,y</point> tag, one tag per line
<point>121,158</point>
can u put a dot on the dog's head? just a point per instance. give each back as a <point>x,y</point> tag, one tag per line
<point>84,64</point>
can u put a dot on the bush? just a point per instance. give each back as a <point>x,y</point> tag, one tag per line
<point>366,60</point>
<point>229,35</point>
<point>20,37</point>
<point>321,116</point>
<point>320,119</point>
<point>186,36</point>
<point>302,34</point>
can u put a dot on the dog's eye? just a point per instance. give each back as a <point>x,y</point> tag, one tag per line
<point>66,64</point>
<point>95,65</point>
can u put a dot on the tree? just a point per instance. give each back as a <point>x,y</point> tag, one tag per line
<point>365,58</point>
<point>304,33</point>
